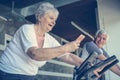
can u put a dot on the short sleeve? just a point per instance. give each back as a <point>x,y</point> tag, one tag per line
<point>58,44</point>
<point>28,37</point>
<point>54,43</point>
<point>50,41</point>
<point>92,47</point>
<point>105,53</point>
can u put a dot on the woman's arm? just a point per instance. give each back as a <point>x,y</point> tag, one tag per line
<point>42,54</point>
<point>72,59</point>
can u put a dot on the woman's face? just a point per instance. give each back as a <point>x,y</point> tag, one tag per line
<point>101,40</point>
<point>48,21</point>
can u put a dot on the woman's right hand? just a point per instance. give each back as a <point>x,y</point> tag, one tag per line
<point>72,46</point>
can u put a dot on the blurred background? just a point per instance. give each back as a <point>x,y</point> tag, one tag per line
<point>76,17</point>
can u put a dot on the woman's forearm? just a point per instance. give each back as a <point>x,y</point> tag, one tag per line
<point>41,54</point>
<point>72,59</point>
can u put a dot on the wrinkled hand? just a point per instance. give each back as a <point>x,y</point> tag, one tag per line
<point>72,46</point>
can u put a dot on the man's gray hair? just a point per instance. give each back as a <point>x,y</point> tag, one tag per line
<point>100,32</point>
<point>45,7</point>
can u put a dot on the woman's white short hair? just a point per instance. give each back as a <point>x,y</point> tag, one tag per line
<point>45,7</point>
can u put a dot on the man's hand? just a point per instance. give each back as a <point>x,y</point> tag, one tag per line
<point>96,72</point>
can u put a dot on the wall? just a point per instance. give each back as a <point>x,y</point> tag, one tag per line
<point>109,19</point>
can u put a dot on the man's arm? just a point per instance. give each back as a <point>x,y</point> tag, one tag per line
<point>77,61</point>
<point>116,69</point>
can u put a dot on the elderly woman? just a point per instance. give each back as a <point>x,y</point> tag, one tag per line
<point>100,40</point>
<point>32,46</point>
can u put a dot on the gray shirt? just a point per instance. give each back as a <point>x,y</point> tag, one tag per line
<point>91,47</point>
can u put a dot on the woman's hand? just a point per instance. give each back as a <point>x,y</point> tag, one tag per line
<point>72,46</point>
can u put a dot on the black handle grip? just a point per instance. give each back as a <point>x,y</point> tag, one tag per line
<point>98,65</point>
<point>106,68</point>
